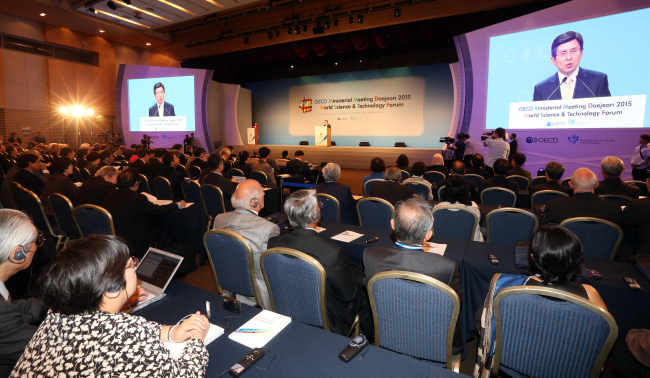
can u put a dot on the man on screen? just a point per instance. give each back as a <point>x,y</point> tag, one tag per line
<point>571,81</point>
<point>161,108</point>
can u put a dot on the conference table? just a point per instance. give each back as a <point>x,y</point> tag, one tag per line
<point>300,350</point>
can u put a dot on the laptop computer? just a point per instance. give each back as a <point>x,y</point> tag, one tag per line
<point>156,270</point>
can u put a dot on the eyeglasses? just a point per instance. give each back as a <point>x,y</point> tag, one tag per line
<point>573,51</point>
<point>40,239</point>
<point>133,263</point>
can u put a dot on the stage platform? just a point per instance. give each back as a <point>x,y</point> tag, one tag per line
<point>349,157</point>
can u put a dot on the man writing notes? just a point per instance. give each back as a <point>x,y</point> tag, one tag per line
<point>161,108</point>
<point>570,81</point>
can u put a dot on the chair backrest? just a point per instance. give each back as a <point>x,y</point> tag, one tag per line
<point>31,204</point>
<point>259,176</point>
<point>523,181</point>
<point>405,174</point>
<point>163,188</point>
<point>367,186</point>
<point>296,284</point>
<point>213,200</point>
<point>509,225</point>
<point>540,337</point>
<point>537,180</point>
<point>62,209</point>
<point>441,193</point>
<point>331,210</point>
<point>476,179</point>
<point>454,221</point>
<point>194,172</point>
<point>235,172</point>
<point>543,196</point>
<point>375,212</point>
<point>232,261</point>
<point>422,322</point>
<point>621,200</point>
<point>433,176</point>
<point>498,196</point>
<point>76,173</point>
<point>641,185</point>
<point>192,191</point>
<point>421,189</point>
<point>599,238</point>
<point>93,219</point>
<point>85,173</point>
<point>566,182</point>
<point>144,184</point>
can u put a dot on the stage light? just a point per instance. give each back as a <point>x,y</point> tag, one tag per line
<point>277,33</point>
<point>148,43</point>
<point>77,111</point>
<point>245,40</point>
<point>351,19</point>
<point>289,29</point>
<point>64,110</point>
<point>304,28</point>
<point>327,24</point>
<point>397,13</point>
<point>297,30</point>
<point>89,112</point>
<point>292,66</point>
<point>43,15</point>
<point>92,10</point>
<point>270,34</point>
<point>101,31</point>
<point>360,18</point>
<point>111,5</point>
<point>336,22</point>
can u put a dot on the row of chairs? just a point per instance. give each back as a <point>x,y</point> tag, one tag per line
<point>422,323</point>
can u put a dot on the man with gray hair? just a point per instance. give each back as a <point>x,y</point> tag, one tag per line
<point>331,173</point>
<point>612,168</point>
<point>584,203</point>
<point>95,189</point>
<point>344,293</point>
<point>248,201</point>
<point>391,190</point>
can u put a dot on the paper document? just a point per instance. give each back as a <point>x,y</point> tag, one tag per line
<point>78,184</point>
<point>347,236</point>
<point>434,248</point>
<point>176,349</point>
<point>261,329</point>
<point>356,197</point>
<point>284,175</point>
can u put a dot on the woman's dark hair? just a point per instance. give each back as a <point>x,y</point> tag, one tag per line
<point>81,153</point>
<point>402,160</point>
<point>127,178</point>
<point>377,165</point>
<point>456,190</point>
<point>244,155</point>
<point>59,164</point>
<point>93,156</point>
<point>557,252</point>
<point>77,278</point>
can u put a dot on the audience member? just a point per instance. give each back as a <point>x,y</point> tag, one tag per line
<point>155,161</point>
<point>438,165</point>
<point>140,164</point>
<point>225,153</point>
<point>499,180</point>
<point>93,162</point>
<point>612,168</point>
<point>459,147</point>
<point>243,165</point>
<point>263,166</point>
<point>5,160</point>
<point>29,165</point>
<point>170,161</point>
<point>85,334</point>
<point>419,169</point>
<point>636,215</point>
<point>348,210</point>
<point>39,139</point>
<point>458,169</point>
<point>14,138</point>
<point>498,148</point>
<point>248,201</point>
<point>378,167</point>
<point>58,182</point>
<point>554,172</point>
<point>106,158</point>
<point>343,291</point>
<point>403,164</point>
<point>95,189</point>
<point>298,166</point>
<point>477,167</point>
<point>457,193</point>
<point>199,158</point>
<point>18,244</point>
<point>513,146</point>
<point>630,356</point>
<point>583,203</point>
<point>67,152</point>
<point>391,190</point>
<point>216,178</point>
<point>517,161</point>
<point>82,154</point>
<point>640,159</point>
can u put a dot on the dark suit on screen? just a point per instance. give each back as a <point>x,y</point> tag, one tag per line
<point>343,291</point>
<point>391,191</point>
<point>93,191</point>
<point>168,110</point>
<point>587,81</point>
<point>582,205</point>
<point>614,185</point>
<point>343,194</point>
<point>223,183</point>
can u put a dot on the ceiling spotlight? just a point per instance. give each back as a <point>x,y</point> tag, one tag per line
<point>397,13</point>
<point>138,16</point>
<point>111,5</point>
<point>101,31</point>
<point>297,30</point>
<point>92,10</point>
<point>336,22</point>
<point>127,2</point>
<point>336,63</point>
<point>245,40</point>
<point>292,66</point>
<point>351,19</point>
<point>148,43</point>
<point>360,18</point>
<point>277,33</point>
<point>270,34</point>
<point>327,24</point>
<point>42,14</point>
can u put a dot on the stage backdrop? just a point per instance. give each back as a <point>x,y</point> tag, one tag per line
<point>409,104</point>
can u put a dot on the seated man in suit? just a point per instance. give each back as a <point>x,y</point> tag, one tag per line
<point>131,210</point>
<point>96,188</point>
<point>243,165</point>
<point>155,161</point>
<point>343,291</point>
<point>18,244</point>
<point>215,177</point>
<point>248,201</point>
<point>419,169</point>
<point>171,161</point>
<point>554,172</point>
<point>636,215</point>
<point>331,173</point>
<point>612,168</point>
<point>140,164</point>
<point>199,158</point>
<point>391,190</point>
<point>583,203</point>
<point>263,166</point>
<point>458,169</point>
<point>298,166</point>
<point>518,160</point>
<point>478,163</point>
<point>29,165</point>
<point>499,180</point>
<point>106,158</point>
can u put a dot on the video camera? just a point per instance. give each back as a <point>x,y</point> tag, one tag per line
<point>488,135</point>
<point>447,140</point>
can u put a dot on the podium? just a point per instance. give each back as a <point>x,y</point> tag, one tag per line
<point>252,135</point>
<point>323,136</point>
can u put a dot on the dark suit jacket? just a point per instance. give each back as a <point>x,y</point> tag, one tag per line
<point>143,168</point>
<point>169,110</point>
<point>244,167</point>
<point>587,81</point>
<point>128,154</point>
<point>518,171</point>
<point>343,291</point>
<point>93,191</point>
<point>200,163</point>
<point>582,205</point>
<point>637,215</point>
<point>130,211</point>
<point>550,185</point>
<point>470,185</point>
<point>391,191</point>
<point>29,180</point>
<point>499,182</point>
<point>176,180</point>
<point>614,185</point>
<point>478,171</point>
<point>343,194</point>
<point>57,183</point>
<point>223,183</point>
<point>15,328</point>
<point>297,167</point>
<point>156,166</point>
<point>438,168</point>
<point>513,147</point>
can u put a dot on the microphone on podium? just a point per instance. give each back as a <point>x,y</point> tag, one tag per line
<point>558,87</point>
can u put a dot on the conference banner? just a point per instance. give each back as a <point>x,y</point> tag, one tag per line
<point>177,123</point>
<point>363,107</point>
<point>586,113</point>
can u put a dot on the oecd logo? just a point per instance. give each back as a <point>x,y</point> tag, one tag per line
<point>529,140</point>
<point>548,124</point>
<point>571,122</point>
<point>573,139</point>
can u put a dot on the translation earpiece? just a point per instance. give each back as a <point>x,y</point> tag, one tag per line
<point>19,256</point>
<point>254,203</point>
<point>314,217</point>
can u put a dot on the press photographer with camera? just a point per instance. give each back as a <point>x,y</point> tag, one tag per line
<point>498,148</point>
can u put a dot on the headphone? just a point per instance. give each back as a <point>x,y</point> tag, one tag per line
<point>19,257</point>
<point>314,216</point>
<point>117,288</point>
<point>254,203</point>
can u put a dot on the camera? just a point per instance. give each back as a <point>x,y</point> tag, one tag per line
<point>447,140</point>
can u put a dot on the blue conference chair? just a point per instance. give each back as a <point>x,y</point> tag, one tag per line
<point>62,209</point>
<point>538,180</point>
<point>476,179</point>
<point>543,196</point>
<point>367,186</point>
<point>422,190</point>
<point>212,201</point>
<point>375,212</point>
<point>232,172</point>
<point>454,221</point>
<point>31,204</point>
<point>405,174</point>
<point>509,225</point>
<point>163,188</point>
<point>260,177</point>
<point>498,197</point>
<point>523,181</point>
<point>433,176</point>
<point>599,238</point>
<point>93,219</point>
<point>620,200</point>
<point>331,210</point>
<point>194,172</point>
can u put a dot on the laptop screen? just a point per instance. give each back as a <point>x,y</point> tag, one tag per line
<point>157,267</point>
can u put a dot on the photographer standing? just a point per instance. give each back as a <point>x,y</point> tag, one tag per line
<point>459,147</point>
<point>640,159</point>
<point>145,141</point>
<point>498,148</point>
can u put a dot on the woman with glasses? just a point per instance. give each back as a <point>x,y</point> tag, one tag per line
<point>19,240</point>
<point>85,286</point>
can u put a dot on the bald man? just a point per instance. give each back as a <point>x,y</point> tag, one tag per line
<point>248,201</point>
<point>584,203</point>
